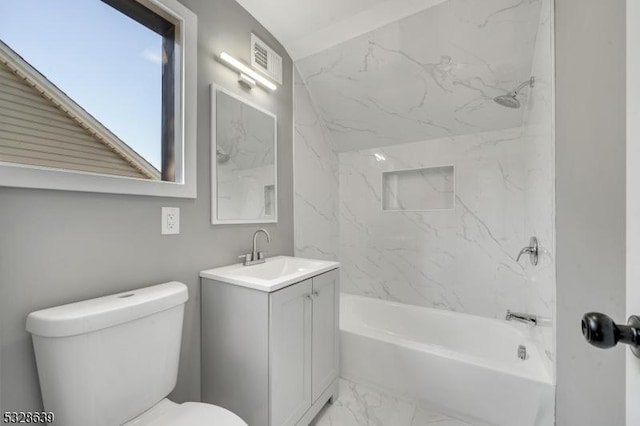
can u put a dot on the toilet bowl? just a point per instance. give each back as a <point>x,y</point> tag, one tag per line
<point>113,360</point>
<point>188,414</point>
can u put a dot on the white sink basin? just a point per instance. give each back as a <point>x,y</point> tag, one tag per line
<point>276,273</point>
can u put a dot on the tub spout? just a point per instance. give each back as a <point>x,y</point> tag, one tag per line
<point>525,318</point>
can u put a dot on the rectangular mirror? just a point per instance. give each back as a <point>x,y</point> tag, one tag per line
<point>243,160</point>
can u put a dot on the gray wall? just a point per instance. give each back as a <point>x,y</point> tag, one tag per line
<point>57,247</point>
<point>590,197</point>
<point>1,410</point>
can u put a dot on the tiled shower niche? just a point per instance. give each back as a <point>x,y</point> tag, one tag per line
<point>424,189</point>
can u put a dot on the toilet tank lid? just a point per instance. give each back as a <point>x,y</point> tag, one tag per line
<point>95,314</point>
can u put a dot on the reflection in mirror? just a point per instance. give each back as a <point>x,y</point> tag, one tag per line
<point>95,95</point>
<point>243,161</point>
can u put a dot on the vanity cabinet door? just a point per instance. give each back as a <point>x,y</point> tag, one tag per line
<point>290,353</point>
<point>324,332</point>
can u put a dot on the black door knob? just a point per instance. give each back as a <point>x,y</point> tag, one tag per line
<point>601,331</point>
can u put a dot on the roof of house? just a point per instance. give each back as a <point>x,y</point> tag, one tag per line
<point>33,78</point>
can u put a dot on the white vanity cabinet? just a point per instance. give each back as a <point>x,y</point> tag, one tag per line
<point>271,357</point>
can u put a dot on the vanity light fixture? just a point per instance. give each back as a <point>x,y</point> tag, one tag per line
<point>246,81</point>
<point>247,75</point>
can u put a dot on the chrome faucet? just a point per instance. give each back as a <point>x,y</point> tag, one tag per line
<point>255,256</point>
<point>525,318</point>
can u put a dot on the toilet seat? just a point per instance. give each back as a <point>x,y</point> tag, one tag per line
<point>168,413</point>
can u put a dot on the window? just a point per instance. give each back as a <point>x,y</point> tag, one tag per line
<point>98,95</point>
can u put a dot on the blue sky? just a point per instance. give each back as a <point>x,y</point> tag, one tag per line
<point>106,62</point>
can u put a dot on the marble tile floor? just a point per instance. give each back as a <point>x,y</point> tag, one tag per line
<point>361,406</point>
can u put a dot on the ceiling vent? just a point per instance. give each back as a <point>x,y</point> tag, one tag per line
<point>265,59</point>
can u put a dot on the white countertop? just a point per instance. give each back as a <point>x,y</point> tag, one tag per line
<point>276,273</point>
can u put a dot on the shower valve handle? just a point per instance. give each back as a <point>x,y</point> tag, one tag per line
<point>600,331</point>
<point>533,250</point>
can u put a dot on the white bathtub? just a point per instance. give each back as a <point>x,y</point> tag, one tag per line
<point>464,364</point>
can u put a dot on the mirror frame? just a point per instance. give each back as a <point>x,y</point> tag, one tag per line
<point>214,168</point>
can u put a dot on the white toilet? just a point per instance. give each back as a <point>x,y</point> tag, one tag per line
<point>113,360</point>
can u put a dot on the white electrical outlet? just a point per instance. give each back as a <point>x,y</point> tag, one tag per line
<point>170,221</point>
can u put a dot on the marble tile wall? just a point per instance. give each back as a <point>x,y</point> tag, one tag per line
<point>461,259</point>
<point>315,181</point>
<point>430,188</point>
<point>369,91</point>
<point>539,163</point>
<point>430,75</point>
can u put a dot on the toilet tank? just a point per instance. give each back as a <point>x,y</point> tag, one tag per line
<point>103,361</point>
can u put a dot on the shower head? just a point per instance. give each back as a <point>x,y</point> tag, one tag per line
<point>510,100</point>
